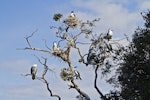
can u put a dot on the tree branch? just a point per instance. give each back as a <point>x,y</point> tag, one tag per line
<point>43,77</point>
<point>75,86</point>
<point>33,48</point>
<point>81,57</point>
<point>36,49</point>
<point>46,45</point>
<point>95,83</point>
<point>27,38</point>
<point>79,91</point>
<point>50,91</point>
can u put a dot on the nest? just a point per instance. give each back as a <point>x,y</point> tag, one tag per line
<point>66,74</point>
<point>71,21</point>
<point>61,53</point>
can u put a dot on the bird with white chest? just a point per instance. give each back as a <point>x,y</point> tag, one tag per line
<point>55,47</point>
<point>109,34</point>
<point>72,14</point>
<point>77,74</point>
<point>33,71</point>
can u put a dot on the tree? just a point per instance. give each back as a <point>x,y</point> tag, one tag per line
<point>101,50</point>
<point>134,75</point>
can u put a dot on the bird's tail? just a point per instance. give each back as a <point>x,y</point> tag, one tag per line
<point>33,76</point>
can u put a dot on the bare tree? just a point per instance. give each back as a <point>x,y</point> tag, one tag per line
<point>101,47</point>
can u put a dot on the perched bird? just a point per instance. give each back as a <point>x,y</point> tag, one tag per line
<point>72,14</point>
<point>33,71</point>
<point>109,35</point>
<point>55,47</point>
<point>65,36</point>
<point>77,74</point>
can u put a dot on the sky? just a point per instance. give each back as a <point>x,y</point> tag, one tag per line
<point>19,18</point>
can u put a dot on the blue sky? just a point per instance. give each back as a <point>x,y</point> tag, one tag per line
<point>19,18</point>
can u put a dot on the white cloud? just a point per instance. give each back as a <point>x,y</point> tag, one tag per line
<point>113,15</point>
<point>145,5</point>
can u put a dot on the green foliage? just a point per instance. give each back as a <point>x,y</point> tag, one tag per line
<point>57,16</point>
<point>146,17</point>
<point>135,70</point>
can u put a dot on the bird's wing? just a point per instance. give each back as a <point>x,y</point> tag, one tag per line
<point>31,70</point>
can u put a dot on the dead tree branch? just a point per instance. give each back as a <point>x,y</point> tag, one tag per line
<point>46,68</point>
<point>74,85</point>
<point>36,49</point>
<point>81,57</point>
<point>50,91</point>
<point>27,38</point>
<point>43,79</point>
<point>79,90</point>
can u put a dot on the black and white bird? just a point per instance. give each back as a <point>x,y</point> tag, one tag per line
<point>77,74</point>
<point>109,34</point>
<point>72,14</point>
<point>33,71</point>
<point>55,47</point>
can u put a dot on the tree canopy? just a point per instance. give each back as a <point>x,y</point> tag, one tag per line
<point>134,75</point>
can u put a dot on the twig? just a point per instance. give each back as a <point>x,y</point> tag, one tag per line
<point>50,91</point>
<point>27,38</point>
<point>36,49</point>
<point>32,48</point>
<point>82,43</point>
<point>25,74</point>
<point>48,87</point>
<point>46,45</point>
<point>81,57</point>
